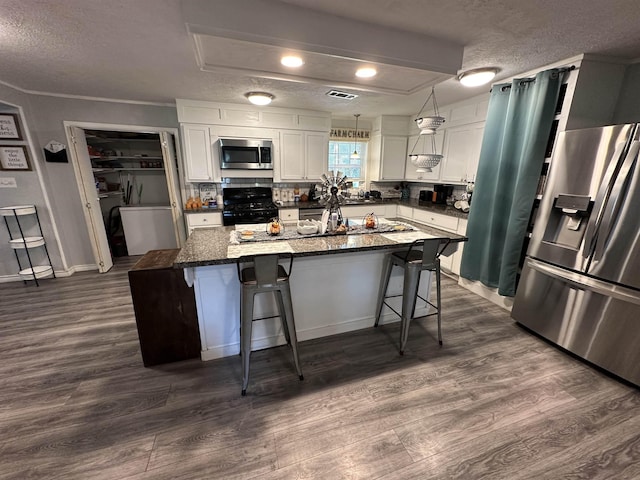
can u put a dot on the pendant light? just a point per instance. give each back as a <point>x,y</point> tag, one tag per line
<point>355,155</point>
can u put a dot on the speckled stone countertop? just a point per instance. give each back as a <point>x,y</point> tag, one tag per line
<point>208,246</point>
<point>413,203</point>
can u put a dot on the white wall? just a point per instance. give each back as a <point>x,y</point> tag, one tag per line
<point>29,190</point>
<point>44,117</point>
<point>628,107</point>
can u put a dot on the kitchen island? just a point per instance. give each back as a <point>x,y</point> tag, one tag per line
<point>334,284</point>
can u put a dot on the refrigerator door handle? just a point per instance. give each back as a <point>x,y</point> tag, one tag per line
<point>613,205</point>
<point>601,198</point>
<point>582,282</point>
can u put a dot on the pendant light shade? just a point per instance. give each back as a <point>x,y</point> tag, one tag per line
<point>355,155</point>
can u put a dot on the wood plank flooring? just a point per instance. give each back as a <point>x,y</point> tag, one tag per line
<point>493,402</point>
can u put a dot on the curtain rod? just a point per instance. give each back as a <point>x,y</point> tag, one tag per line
<point>527,80</point>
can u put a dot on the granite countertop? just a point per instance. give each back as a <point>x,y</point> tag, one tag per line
<point>413,203</point>
<point>209,246</point>
<point>203,210</point>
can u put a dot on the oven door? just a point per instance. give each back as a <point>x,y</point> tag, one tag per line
<point>234,218</point>
<point>245,154</point>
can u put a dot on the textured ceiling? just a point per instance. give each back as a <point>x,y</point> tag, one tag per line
<point>140,50</point>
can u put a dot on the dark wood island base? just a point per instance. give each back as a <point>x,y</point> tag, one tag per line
<point>165,309</point>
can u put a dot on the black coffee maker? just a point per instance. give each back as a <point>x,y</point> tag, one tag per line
<point>441,193</point>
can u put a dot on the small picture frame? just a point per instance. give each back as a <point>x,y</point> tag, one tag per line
<point>10,127</point>
<point>14,157</point>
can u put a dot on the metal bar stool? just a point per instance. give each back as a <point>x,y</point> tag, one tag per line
<point>265,275</point>
<point>414,261</point>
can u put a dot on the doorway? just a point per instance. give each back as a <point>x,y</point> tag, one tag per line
<point>128,180</point>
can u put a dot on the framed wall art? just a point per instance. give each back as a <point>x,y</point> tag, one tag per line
<point>14,157</point>
<point>10,127</point>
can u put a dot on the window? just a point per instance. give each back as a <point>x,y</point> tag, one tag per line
<point>340,159</point>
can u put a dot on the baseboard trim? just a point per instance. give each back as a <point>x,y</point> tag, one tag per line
<point>487,293</point>
<point>220,351</point>
<point>59,273</point>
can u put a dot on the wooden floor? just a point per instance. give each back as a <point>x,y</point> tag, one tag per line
<point>494,402</point>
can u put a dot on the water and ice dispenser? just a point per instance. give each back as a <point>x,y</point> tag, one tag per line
<point>568,220</point>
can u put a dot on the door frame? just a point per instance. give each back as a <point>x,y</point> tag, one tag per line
<point>176,198</point>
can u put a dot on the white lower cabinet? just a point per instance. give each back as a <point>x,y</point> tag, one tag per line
<point>405,212</point>
<point>438,220</point>
<point>288,214</point>
<point>443,222</point>
<point>359,211</point>
<point>457,257</point>
<point>203,220</point>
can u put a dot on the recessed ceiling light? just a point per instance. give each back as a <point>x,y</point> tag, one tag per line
<point>291,61</point>
<point>366,72</point>
<point>259,98</point>
<point>477,77</point>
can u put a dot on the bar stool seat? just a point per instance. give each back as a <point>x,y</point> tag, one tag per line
<point>265,275</point>
<point>421,255</point>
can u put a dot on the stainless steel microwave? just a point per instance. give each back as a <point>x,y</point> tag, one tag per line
<point>246,154</point>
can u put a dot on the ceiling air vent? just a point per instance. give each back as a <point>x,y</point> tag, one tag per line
<point>339,94</point>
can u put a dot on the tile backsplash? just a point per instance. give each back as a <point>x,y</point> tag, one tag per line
<point>388,189</point>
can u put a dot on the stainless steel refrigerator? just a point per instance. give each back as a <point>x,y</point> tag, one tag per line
<point>580,284</point>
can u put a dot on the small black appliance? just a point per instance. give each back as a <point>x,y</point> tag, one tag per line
<point>441,193</point>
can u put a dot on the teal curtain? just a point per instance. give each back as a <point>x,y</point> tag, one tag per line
<point>516,133</point>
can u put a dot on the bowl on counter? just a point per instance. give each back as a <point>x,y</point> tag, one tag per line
<point>307,227</point>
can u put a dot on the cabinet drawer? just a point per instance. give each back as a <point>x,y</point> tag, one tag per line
<point>288,214</point>
<point>445,222</point>
<point>213,219</point>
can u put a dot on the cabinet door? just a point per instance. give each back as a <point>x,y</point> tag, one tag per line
<point>405,212</point>
<point>472,165</point>
<point>292,161</point>
<point>394,154</point>
<point>288,214</point>
<point>89,194</point>
<point>414,143</point>
<point>461,150</point>
<point>317,153</point>
<point>173,185</point>
<point>457,257</point>
<point>197,152</point>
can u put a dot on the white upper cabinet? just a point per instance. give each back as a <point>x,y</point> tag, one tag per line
<point>292,161</point>
<point>388,148</point>
<point>394,153</point>
<point>197,153</point>
<point>462,152</point>
<point>388,153</point>
<point>317,153</point>
<point>303,155</point>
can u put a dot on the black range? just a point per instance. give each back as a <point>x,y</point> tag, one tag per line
<point>247,205</point>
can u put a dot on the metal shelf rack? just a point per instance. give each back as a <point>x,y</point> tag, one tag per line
<point>26,243</point>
